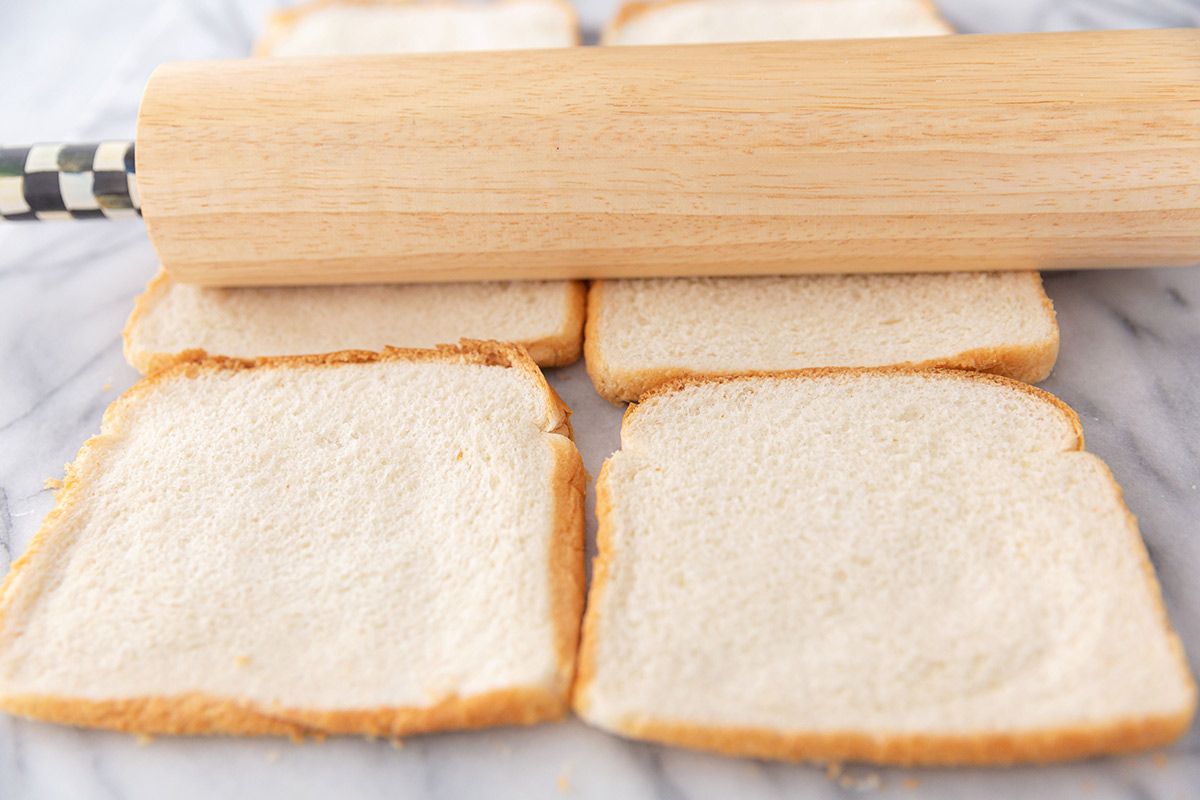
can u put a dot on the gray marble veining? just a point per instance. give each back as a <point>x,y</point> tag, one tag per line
<point>1130,365</point>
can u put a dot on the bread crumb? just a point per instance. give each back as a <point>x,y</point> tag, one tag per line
<point>241,660</point>
<point>869,782</point>
<point>564,778</point>
<point>1160,760</point>
<point>911,783</point>
<point>143,739</point>
<point>397,744</point>
<point>459,456</point>
<point>272,756</point>
<point>832,770</point>
<point>52,483</point>
<point>106,387</point>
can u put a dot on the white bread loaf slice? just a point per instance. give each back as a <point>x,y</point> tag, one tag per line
<point>707,21</point>
<point>357,27</point>
<point>643,333</point>
<point>905,567</point>
<point>172,323</point>
<point>379,544</point>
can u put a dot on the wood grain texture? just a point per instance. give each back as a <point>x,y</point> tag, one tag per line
<point>1045,151</point>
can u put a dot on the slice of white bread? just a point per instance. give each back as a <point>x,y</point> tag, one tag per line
<point>643,333</point>
<point>379,544</point>
<point>351,27</point>
<point>172,323</point>
<point>706,21</point>
<point>907,567</point>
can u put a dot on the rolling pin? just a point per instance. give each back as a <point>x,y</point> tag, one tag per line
<point>1013,152</point>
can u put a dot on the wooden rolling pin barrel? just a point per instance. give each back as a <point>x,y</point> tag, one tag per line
<point>1043,151</point>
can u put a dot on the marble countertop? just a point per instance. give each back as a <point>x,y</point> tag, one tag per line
<point>1130,365</point>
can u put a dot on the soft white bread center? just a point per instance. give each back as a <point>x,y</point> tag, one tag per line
<point>756,20</point>
<point>428,28</point>
<point>336,537</point>
<point>818,320</point>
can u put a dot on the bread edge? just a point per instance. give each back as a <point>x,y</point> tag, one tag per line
<point>1028,362</point>
<point>200,713</point>
<point>280,22</point>
<point>633,9</point>
<point>558,349</point>
<point>147,361</point>
<point>566,346</point>
<point>990,749</point>
<point>193,714</point>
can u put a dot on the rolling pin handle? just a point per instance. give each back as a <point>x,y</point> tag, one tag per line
<point>68,181</point>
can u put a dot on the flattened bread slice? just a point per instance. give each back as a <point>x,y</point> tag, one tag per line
<point>641,334</point>
<point>349,27</point>
<point>893,566</point>
<point>361,543</point>
<point>172,323</point>
<point>705,21</point>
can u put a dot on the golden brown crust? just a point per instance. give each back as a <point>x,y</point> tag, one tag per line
<point>280,22</point>
<point>565,346</point>
<point>908,749</point>
<point>936,13</point>
<point>676,384</point>
<point>146,362</point>
<point>567,575</point>
<point>627,11</point>
<point>593,362</point>
<point>201,713</point>
<point>902,749</point>
<point>467,351</point>
<point>633,9</point>
<point>561,348</point>
<point>205,714</point>
<point>585,662</point>
<point>1029,362</point>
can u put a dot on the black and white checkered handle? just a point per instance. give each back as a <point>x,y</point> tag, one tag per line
<point>68,181</point>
